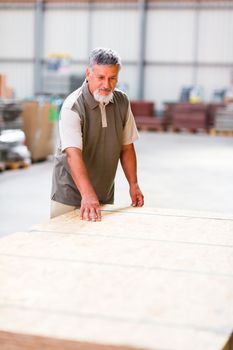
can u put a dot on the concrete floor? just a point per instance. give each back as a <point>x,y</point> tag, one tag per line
<point>179,171</point>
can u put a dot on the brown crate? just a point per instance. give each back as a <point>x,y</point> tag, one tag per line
<point>142,108</point>
<point>150,123</point>
<point>189,116</point>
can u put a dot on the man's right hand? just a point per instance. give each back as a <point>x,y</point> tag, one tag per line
<point>90,208</point>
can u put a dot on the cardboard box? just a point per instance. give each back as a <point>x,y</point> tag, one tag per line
<point>39,129</point>
<point>3,86</point>
<point>5,91</point>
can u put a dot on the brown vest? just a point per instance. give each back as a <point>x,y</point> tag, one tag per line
<point>101,149</point>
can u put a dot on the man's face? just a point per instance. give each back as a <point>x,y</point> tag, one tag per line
<point>102,78</point>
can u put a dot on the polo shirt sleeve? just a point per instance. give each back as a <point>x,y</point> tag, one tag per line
<point>70,129</point>
<point>130,132</point>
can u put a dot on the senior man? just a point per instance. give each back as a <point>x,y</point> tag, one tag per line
<point>96,129</point>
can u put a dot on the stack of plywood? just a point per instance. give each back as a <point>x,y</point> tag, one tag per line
<point>139,279</point>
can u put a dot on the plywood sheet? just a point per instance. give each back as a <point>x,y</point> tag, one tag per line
<point>141,278</point>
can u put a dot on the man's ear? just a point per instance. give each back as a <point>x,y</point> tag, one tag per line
<point>88,72</point>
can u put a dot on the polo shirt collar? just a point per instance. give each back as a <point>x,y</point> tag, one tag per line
<point>92,103</point>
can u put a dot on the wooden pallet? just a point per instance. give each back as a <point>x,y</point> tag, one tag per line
<point>215,132</point>
<point>149,128</point>
<point>16,165</point>
<point>188,130</point>
<point>39,160</point>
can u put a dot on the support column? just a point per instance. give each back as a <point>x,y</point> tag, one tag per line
<point>196,44</point>
<point>89,28</point>
<point>38,45</point>
<point>142,45</point>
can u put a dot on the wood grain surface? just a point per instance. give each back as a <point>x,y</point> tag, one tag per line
<point>142,278</point>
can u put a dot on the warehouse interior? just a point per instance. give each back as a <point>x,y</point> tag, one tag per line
<point>177,70</point>
<point>157,276</point>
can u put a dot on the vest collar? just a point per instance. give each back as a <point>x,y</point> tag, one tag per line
<point>92,103</point>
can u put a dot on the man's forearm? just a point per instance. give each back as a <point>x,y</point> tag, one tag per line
<point>79,171</point>
<point>90,206</point>
<point>129,163</point>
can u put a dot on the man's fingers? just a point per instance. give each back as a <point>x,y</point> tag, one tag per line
<point>86,214</point>
<point>98,214</point>
<point>81,213</point>
<point>93,214</point>
<point>140,201</point>
<point>137,200</point>
<point>134,201</point>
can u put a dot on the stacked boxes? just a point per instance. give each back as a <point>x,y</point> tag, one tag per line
<point>39,128</point>
<point>12,138</point>
<point>224,119</point>
<point>5,91</point>
<point>143,112</point>
<point>213,108</point>
<point>190,116</point>
<point>13,149</point>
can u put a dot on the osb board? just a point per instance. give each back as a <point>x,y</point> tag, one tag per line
<point>140,278</point>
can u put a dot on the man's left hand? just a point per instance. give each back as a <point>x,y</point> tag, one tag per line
<point>136,196</point>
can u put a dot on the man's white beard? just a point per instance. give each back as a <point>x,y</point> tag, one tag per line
<point>103,98</point>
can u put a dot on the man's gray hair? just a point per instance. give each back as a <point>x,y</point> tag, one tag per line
<point>104,56</point>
